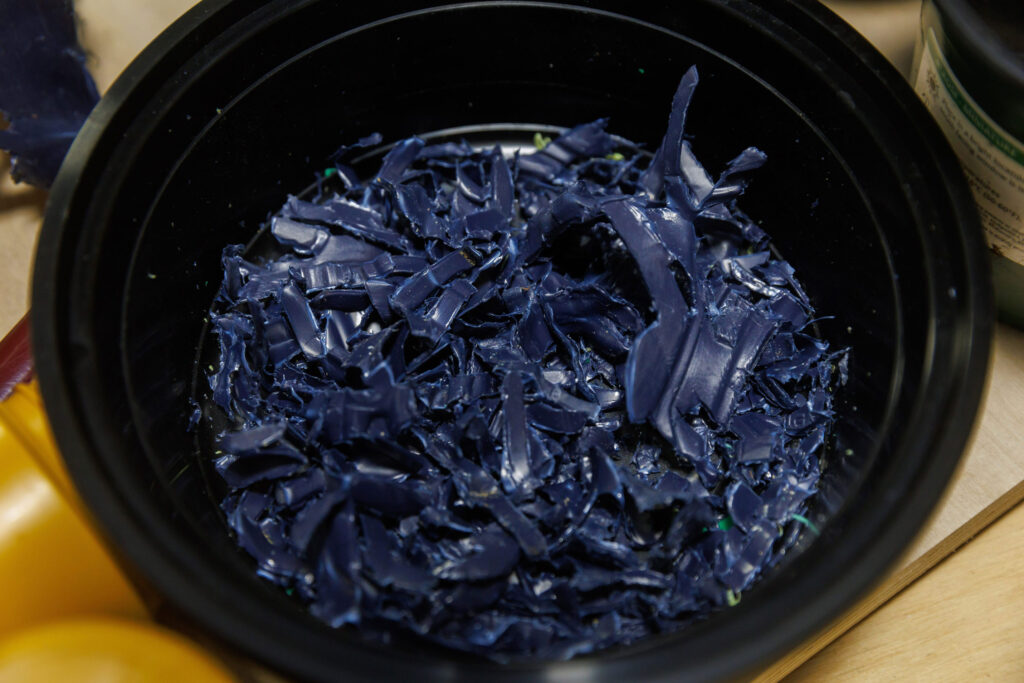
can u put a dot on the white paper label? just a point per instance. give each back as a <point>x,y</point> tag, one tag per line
<point>993,160</point>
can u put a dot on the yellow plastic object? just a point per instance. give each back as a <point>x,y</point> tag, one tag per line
<point>24,415</point>
<point>104,650</point>
<point>52,564</point>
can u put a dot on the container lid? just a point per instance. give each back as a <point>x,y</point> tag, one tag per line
<point>993,30</point>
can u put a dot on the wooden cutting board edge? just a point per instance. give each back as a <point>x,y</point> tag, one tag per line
<point>893,584</point>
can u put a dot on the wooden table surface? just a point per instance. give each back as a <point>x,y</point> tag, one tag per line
<point>963,620</point>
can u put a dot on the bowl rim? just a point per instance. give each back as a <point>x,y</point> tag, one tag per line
<point>147,548</point>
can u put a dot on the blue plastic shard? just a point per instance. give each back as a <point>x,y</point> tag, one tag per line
<point>531,405</point>
<point>488,555</point>
<point>338,596</point>
<point>516,471</point>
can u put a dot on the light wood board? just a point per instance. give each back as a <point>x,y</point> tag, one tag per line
<point>21,210</point>
<point>961,622</point>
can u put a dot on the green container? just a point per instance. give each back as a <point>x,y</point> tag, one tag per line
<point>969,70</point>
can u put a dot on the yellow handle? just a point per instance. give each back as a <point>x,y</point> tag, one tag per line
<point>105,650</point>
<point>52,564</point>
<point>65,600</point>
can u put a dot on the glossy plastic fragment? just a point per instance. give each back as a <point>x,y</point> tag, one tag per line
<point>536,405</point>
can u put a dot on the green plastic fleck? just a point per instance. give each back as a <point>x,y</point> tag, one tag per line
<point>731,598</point>
<point>725,523</point>
<point>807,523</point>
<point>540,141</point>
<point>328,172</point>
<point>615,156</point>
<point>641,70</point>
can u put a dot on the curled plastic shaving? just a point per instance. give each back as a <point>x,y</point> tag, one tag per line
<point>520,405</point>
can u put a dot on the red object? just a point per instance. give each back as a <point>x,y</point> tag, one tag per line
<point>15,358</point>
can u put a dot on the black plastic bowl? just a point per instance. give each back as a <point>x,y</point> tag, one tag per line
<point>238,103</point>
